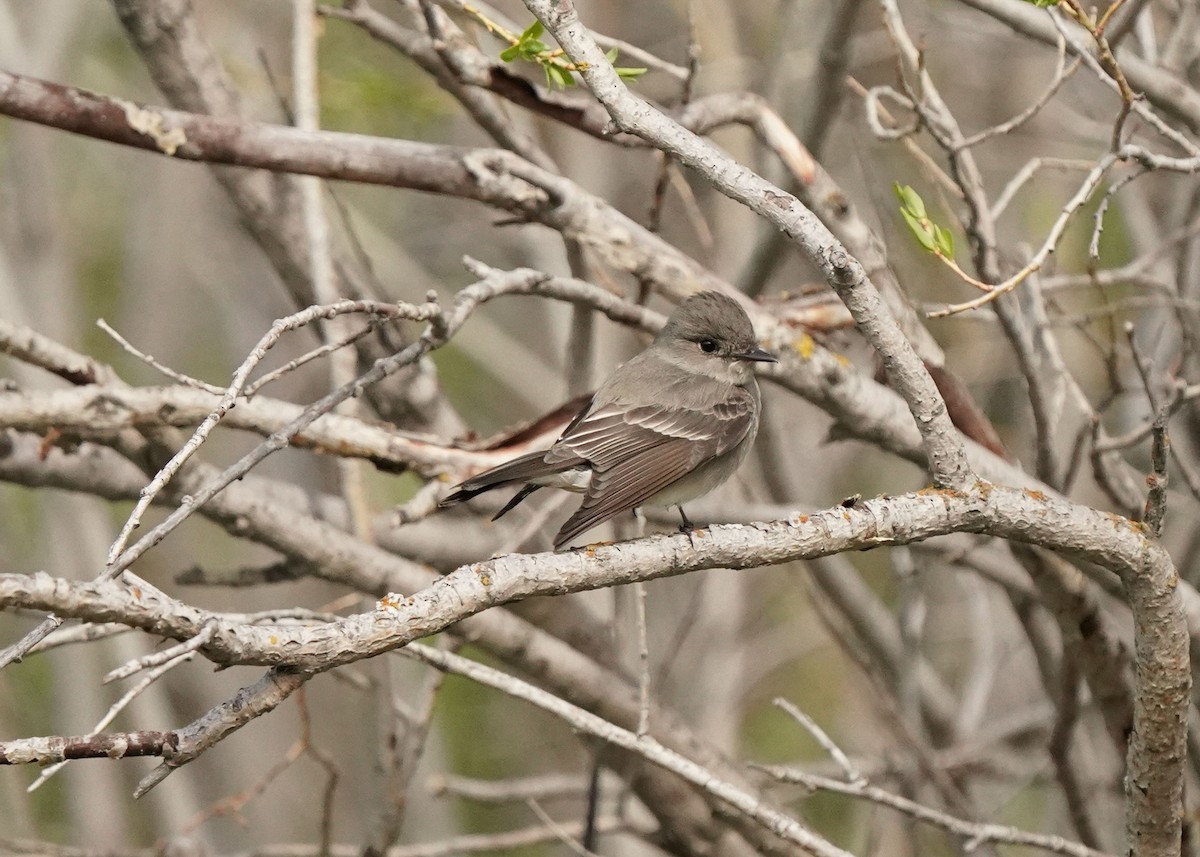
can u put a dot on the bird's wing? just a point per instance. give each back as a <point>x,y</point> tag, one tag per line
<point>637,452</point>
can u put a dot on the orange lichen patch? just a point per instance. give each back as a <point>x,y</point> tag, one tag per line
<point>1142,528</point>
<point>388,602</point>
<point>485,578</point>
<point>805,346</point>
<point>1035,495</point>
<point>842,359</point>
<point>273,640</point>
<point>591,548</point>
<point>52,436</point>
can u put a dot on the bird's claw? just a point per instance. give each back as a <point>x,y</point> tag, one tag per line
<point>688,530</point>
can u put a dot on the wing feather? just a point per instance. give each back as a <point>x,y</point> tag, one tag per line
<point>524,468</point>
<point>637,452</point>
<point>625,487</point>
<point>633,453</point>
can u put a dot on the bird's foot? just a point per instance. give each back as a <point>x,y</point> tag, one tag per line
<point>687,527</point>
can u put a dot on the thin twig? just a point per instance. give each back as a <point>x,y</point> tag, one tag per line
<point>156,659</point>
<point>639,612</point>
<point>974,833</point>
<point>853,775</point>
<point>149,360</point>
<point>1061,75</point>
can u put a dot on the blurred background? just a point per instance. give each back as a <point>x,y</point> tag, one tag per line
<point>90,230</point>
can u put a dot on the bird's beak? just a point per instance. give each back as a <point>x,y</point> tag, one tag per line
<point>757,355</point>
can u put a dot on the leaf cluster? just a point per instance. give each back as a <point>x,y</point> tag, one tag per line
<point>933,237</point>
<point>530,48</point>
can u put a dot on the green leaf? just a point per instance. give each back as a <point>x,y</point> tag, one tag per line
<point>919,228</point>
<point>533,47</point>
<point>611,56</point>
<point>944,241</point>
<point>559,75</point>
<point>910,200</point>
<point>533,31</point>
<point>630,73</point>
<point>510,54</point>
<point>934,238</point>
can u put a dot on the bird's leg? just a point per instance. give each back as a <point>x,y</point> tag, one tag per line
<point>687,527</point>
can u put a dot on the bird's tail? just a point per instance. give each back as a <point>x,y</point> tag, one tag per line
<point>523,468</point>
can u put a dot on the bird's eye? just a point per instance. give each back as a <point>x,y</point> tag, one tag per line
<point>708,346</point>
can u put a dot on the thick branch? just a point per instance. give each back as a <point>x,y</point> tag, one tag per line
<point>120,745</point>
<point>1163,679</point>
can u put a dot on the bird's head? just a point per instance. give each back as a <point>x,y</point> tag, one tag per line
<point>710,333</point>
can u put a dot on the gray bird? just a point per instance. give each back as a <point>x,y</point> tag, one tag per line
<point>669,425</point>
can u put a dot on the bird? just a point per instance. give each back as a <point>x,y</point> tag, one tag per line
<point>669,425</point>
